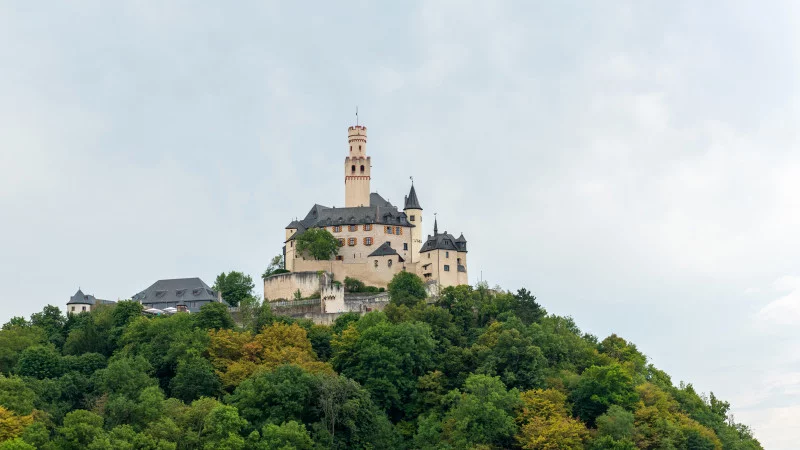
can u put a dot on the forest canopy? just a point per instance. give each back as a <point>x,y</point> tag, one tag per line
<point>474,368</point>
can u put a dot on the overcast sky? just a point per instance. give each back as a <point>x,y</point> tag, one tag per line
<point>634,164</point>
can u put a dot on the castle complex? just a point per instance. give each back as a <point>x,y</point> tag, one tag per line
<point>377,240</point>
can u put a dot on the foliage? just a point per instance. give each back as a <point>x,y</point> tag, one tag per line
<point>275,266</point>
<point>234,286</point>
<point>406,288</point>
<point>479,368</point>
<point>318,243</point>
<point>215,316</point>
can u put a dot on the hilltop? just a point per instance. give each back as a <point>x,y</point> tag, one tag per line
<point>470,368</point>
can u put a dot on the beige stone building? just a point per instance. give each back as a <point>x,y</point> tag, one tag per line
<point>377,240</point>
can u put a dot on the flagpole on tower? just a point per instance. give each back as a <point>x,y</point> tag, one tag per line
<point>356,115</point>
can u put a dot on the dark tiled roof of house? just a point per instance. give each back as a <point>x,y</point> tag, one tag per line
<point>379,211</point>
<point>84,299</point>
<point>444,241</point>
<point>176,290</point>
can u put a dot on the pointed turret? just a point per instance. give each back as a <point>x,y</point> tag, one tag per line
<point>411,200</point>
<point>435,227</point>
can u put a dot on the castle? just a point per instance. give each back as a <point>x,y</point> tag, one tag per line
<point>376,239</point>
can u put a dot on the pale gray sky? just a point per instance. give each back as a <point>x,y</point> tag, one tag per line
<point>634,164</point>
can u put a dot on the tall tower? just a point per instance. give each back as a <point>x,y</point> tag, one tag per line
<point>357,168</point>
<point>414,213</point>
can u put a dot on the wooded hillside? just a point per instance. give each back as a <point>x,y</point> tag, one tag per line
<point>474,369</point>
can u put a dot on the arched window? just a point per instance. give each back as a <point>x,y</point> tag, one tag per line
<point>353,168</point>
<point>389,262</point>
<point>359,148</point>
<point>362,168</point>
<point>376,263</point>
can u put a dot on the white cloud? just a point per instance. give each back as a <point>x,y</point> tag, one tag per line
<point>785,310</point>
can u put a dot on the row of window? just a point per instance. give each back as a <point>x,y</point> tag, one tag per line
<point>338,228</point>
<point>353,168</point>
<point>353,241</point>
<point>393,230</point>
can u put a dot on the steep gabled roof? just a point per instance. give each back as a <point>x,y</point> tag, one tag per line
<point>411,200</point>
<point>379,211</point>
<point>385,249</point>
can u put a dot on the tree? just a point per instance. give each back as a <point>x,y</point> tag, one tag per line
<point>319,243</point>
<point>526,308</point>
<point>40,361</point>
<point>214,316</point>
<point>480,416</point>
<point>546,424</point>
<point>386,359</point>
<point>15,321</point>
<point>616,422</point>
<point>600,387</point>
<point>11,425</point>
<point>13,341</point>
<point>406,288</point>
<point>234,286</point>
<point>506,352</point>
<point>286,436</point>
<point>52,322</point>
<point>284,394</point>
<point>80,428</point>
<point>275,266</point>
<point>194,378</point>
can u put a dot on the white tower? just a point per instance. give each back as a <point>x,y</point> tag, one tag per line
<point>357,168</point>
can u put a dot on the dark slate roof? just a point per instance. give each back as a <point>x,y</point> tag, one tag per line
<point>411,200</point>
<point>385,249</point>
<point>176,290</point>
<point>379,211</point>
<point>81,299</point>
<point>444,241</point>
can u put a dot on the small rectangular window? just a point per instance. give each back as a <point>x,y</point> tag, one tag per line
<point>367,241</point>
<point>388,230</point>
<point>351,242</point>
<point>341,242</point>
<point>398,230</point>
<point>411,218</point>
<point>446,268</point>
<point>368,227</point>
<point>337,228</point>
<point>405,246</point>
<point>446,254</point>
<point>353,228</point>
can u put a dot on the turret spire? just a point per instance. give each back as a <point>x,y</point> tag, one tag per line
<point>411,199</point>
<point>435,225</point>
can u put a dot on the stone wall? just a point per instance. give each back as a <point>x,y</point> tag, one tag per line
<point>312,309</point>
<point>284,285</point>
<point>371,275</point>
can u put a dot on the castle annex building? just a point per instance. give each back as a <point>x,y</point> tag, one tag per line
<point>377,239</point>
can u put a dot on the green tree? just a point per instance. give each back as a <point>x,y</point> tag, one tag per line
<point>319,243</point>
<point>508,353</point>
<point>286,436</point>
<point>526,308</point>
<point>386,359</point>
<point>194,378</point>
<point>284,394</point>
<point>80,428</point>
<point>40,361</point>
<point>52,322</point>
<point>480,415</point>
<point>600,387</point>
<point>406,288</point>
<point>616,422</point>
<point>275,267</point>
<point>234,287</point>
<point>14,340</point>
<point>222,427</point>
<point>15,321</point>
<point>214,316</point>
